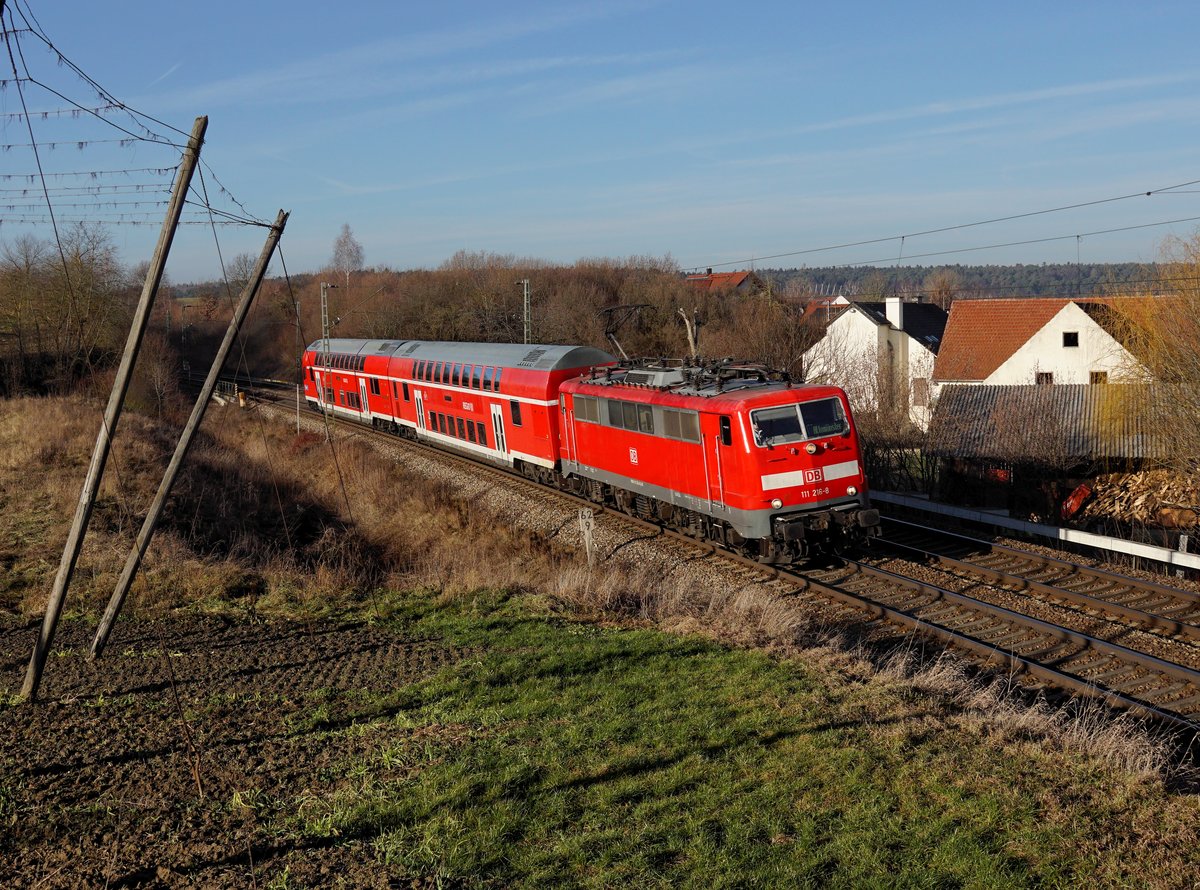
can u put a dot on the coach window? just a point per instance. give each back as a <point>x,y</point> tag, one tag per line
<point>496,382</point>
<point>476,376</point>
<point>471,431</point>
<point>487,378</point>
<point>726,430</point>
<point>329,394</point>
<point>481,431</point>
<point>462,433</point>
<point>514,408</point>
<point>442,423</point>
<point>404,388</point>
<point>433,421</point>
<point>375,386</point>
<point>455,372</point>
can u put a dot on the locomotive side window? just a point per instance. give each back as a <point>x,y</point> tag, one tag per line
<point>645,419</point>
<point>629,416</point>
<point>587,408</point>
<point>514,409</point>
<point>683,425</point>
<point>726,430</point>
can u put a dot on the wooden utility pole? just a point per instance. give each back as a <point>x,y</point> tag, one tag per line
<point>136,555</point>
<point>112,414</point>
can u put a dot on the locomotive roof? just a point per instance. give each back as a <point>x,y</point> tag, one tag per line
<point>504,355</point>
<point>725,381</point>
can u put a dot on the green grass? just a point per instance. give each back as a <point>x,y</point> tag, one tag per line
<point>565,754</point>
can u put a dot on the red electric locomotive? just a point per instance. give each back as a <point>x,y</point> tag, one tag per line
<point>729,453</point>
<point>725,452</point>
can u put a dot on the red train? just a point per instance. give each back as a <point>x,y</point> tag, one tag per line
<point>729,453</point>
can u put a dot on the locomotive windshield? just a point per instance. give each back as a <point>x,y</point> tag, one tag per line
<point>795,423</point>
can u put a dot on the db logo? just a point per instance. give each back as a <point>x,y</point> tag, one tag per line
<point>633,456</point>
<point>811,476</point>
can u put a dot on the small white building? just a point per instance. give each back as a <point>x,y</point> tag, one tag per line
<point>1035,341</point>
<point>882,354</point>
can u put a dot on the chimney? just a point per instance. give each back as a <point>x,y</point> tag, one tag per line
<point>893,309</point>
<point>710,271</point>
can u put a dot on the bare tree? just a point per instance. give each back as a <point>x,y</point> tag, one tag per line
<point>347,253</point>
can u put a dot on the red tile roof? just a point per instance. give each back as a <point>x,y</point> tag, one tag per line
<point>723,280</point>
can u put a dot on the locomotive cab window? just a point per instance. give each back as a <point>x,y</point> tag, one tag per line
<point>795,423</point>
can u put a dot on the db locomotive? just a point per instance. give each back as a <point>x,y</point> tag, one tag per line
<point>730,453</point>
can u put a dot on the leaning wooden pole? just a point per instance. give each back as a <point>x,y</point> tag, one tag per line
<point>112,414</point>
<point>134,560</point>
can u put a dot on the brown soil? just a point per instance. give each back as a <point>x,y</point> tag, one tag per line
<point>98,779</point>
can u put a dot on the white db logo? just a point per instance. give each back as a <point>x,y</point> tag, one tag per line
<point>633,456</point>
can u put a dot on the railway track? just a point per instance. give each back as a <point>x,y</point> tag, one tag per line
<point>1083,664</point>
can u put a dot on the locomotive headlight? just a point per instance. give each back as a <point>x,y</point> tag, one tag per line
<point>811,447</point>
<point>776,503</point>
<point>850,489</point>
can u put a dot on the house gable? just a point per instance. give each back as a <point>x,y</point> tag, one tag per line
<point>1068,349</point>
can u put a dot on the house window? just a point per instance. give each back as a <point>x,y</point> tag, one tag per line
<point>1070,338</point>
<point>1098,377</point>
<point>1045,378</point>
<point>920,392</point>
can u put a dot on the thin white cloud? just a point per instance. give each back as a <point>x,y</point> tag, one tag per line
<point>354,71</point>
<point>165,75</point>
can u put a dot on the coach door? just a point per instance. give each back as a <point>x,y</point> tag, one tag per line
<point>420,409</point>
<point>320,388</point>
<point>498,429</point>
<point>362,391</point>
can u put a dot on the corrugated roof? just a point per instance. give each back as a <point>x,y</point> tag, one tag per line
<point>1054,425</point>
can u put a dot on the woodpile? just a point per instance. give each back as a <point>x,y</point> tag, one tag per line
<point>1159,498</point>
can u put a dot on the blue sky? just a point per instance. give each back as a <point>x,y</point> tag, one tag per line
<point>716,133</point>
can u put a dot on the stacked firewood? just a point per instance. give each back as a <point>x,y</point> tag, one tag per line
<point>1158,498</point>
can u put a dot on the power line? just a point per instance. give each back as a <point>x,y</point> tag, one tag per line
<point>1158,191</point>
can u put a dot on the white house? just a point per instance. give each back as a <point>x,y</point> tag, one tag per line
<point>881,353</point>
<point>1026,341</point>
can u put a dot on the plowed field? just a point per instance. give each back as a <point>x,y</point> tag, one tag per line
<point>163,763</point>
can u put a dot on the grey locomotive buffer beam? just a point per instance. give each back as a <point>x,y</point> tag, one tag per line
<point>112,414</point>
<point>134,560</point>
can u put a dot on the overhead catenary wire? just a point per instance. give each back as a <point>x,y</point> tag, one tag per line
<point>942,229</point>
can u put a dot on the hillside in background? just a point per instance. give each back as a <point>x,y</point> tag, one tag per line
<point>1044,280</point>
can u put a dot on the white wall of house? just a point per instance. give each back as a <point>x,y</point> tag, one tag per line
<point>1045,353</point>
<point>856,353</point>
